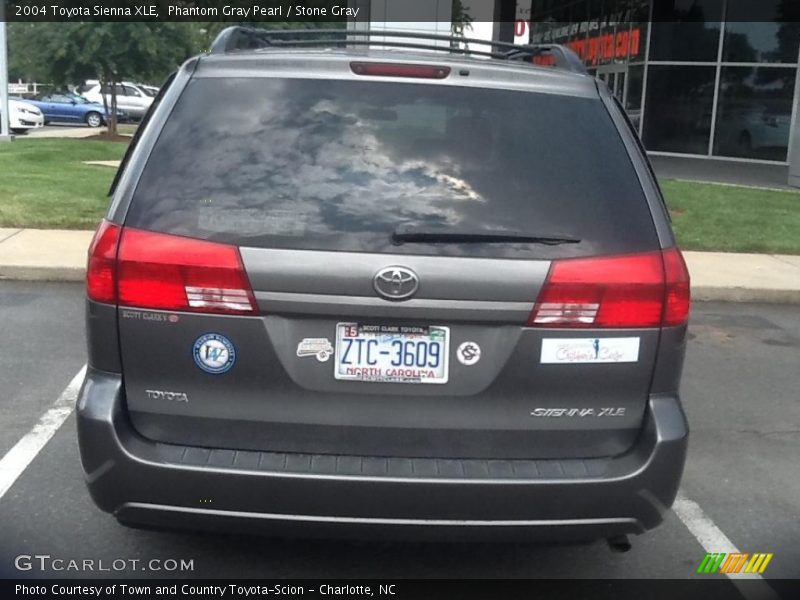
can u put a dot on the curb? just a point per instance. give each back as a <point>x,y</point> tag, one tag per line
<point>784,190</point>
<point>29,273</point>
<point>700,293</point>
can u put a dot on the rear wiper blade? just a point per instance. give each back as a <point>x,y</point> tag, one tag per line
<point>422,235</point>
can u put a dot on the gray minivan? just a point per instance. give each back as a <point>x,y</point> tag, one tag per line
<point>402,291</point>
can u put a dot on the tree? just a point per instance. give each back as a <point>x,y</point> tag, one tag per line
<point>61,53</point>
<point>460,20</point>
<point>21,49</point>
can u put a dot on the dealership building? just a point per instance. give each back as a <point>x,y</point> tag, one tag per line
<point>706,78</point>
<point>700,78</point>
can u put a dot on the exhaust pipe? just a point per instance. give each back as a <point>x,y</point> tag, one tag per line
<point>619,543</point>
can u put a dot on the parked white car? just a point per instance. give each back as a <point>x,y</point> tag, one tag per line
<point>131,99</point>
<point>150,90</point>
<point>23,116</point>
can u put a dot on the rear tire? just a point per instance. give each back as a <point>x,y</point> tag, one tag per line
<point>93,119</point>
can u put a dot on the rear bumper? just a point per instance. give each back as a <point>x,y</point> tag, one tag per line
<point>152,484</point>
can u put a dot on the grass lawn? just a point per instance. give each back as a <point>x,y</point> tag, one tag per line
<point>733,219</point>
<point>43,183</point>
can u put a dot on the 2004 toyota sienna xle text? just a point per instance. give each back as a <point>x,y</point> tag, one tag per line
<point>366,291</point>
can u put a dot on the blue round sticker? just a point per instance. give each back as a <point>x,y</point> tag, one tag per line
<point>214,353</point>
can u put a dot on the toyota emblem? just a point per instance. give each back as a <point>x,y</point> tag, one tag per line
<point>396,283</point>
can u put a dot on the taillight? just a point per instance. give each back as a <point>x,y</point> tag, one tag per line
<point>399,70</point>
<point>169,272</point>
<point>101,269</point>
<point>678,296</point>
<point>638,290</point>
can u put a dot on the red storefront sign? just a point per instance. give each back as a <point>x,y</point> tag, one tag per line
<point>603,47</point>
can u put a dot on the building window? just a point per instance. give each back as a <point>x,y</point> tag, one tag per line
<point>685,30</point>
<point>766,31</point>
<point>600,32</point>
<point>635,80</point>
<point>754,114</point>
<point>633,99</point>
<point>679,104</point>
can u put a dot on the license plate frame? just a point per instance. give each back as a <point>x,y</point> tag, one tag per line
<point>387,334</point>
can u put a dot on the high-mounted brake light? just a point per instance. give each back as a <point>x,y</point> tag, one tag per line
<point>640,290</point>
<point>399,70</point>
<point>101,269</point>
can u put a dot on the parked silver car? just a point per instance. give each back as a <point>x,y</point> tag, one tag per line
<point>131,99</point>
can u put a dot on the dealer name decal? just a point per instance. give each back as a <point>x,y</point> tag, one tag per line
<point>590,350</point>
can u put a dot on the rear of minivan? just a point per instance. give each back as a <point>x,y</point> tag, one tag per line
<point>370,293</point>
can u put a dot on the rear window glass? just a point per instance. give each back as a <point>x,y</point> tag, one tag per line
<point>339,165</point>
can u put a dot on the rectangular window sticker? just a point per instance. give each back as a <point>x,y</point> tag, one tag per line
<point>590,350</point>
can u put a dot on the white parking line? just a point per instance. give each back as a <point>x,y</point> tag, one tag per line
<point>16,460</point>
<point>714,540</point>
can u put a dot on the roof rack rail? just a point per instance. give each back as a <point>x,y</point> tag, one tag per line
<point>237,39</point>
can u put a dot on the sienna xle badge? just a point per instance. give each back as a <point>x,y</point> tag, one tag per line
<point>355,291</point>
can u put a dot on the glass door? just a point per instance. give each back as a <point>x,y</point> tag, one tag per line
<point>615,77</point>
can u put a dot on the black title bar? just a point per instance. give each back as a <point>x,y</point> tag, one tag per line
<point>342,11</point>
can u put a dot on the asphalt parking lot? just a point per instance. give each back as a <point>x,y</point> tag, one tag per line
<point>740,390</point>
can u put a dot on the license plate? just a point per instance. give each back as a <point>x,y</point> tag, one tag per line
<point>391,354</point>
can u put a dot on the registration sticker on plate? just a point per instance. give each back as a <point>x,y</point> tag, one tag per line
<point>391,353</point>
